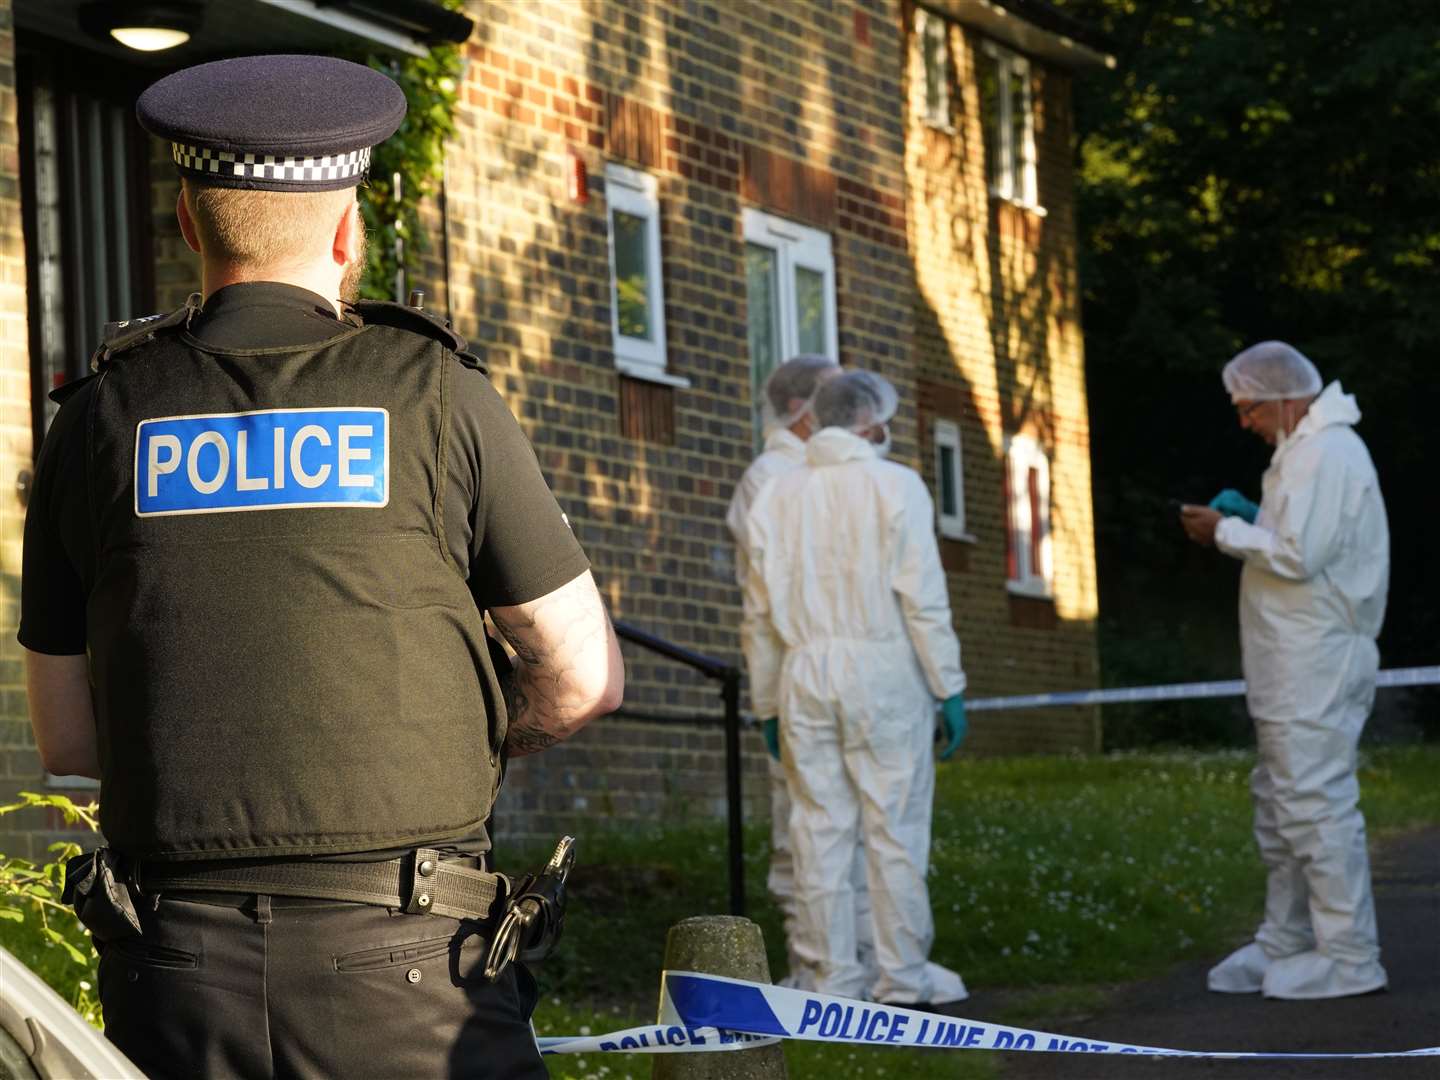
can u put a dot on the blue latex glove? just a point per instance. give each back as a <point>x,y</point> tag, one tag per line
<point>952,720</point>
<point>1232,504</point>
<point>771,730</point>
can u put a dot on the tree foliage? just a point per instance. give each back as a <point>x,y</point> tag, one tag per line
<point>49,938</point>
<point>415,155</point>
<point>1253,169</point>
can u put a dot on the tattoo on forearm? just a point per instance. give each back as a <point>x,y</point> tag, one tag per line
<point>521,740</point>
<point>540,698</point>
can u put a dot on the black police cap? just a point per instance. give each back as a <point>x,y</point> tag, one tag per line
<point>274,123</point>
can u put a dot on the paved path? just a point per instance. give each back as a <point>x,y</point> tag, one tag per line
<point>1177,1011</point>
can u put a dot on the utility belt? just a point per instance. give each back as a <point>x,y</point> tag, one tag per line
<point>102,886</point>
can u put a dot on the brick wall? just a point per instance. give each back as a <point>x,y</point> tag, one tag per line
<point>797,109</point>
<point>19,764</point>
<point>999,352</point>
<point>782,107</point>
<point>790,108</point>
<point>626,771</point>
<point>177,268</point>
<point>709,99</point>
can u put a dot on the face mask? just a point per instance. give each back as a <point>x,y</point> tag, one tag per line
<point>882,448</point>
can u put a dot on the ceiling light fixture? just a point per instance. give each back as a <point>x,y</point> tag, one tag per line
<point>145,26</point>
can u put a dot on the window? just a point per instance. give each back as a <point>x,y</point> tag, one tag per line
<point>790,290</point>
<point>949,481</point>
<point>86,194</point>
<point>637,309</point>
<point>1027,496</point>
<point>1009,124</point>
<point>930,33</point>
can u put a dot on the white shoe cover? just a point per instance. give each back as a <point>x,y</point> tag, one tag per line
<point>945,985</point>
<point>1311,975</point>
<point>1242,972</point>
<point>938,986</point>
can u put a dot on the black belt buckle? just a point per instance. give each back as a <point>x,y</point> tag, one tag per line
<point>534,914</point>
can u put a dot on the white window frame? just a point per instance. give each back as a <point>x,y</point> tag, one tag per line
<point>928,25</point>
<point>795,246</point>
<point>636,193</point>
<point>1002,180</point>
<point>1023,453</point>
<point>947,437</point>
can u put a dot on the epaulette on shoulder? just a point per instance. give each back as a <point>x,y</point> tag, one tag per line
<point>418,321</point>
<point>65,391</point>
<point>127,333</point>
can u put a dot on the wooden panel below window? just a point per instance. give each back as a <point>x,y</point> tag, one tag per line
<point>647,411</point>
<point>788,186</point>
<point>954,556</point>
<point>634,131</point>
<point>1032,612</point>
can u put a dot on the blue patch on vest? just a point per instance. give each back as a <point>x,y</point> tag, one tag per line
<point>266,460</point>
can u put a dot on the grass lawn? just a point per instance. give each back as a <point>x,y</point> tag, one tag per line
<point>1052,877</point>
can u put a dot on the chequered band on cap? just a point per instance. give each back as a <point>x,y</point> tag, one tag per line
<point>267,167</point>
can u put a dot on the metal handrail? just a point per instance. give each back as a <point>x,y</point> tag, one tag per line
<point>679,719</point>
<point>707,665</point>
<point>728,675</point>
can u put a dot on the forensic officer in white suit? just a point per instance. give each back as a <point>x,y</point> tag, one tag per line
<point>787,409</point>
<point>1312,599</point>
<point>856,646</point>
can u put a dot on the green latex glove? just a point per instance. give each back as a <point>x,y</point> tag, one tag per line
<point>771,730</point>
<point>1232,504</point>
<point>952,721</point>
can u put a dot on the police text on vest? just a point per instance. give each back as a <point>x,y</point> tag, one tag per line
<point>270,459</point>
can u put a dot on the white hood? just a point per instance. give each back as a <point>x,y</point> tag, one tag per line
<point>1332,408</point>
<point>836,446</point>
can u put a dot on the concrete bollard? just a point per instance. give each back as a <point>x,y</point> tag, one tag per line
<point>733,947</point>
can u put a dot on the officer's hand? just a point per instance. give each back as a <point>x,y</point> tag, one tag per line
<point>1232,504</point>
<point>952,721</point>
<point>771,730</point>
<point>1199,523</point>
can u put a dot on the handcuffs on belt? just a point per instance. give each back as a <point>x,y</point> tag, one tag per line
<point>534,914</point>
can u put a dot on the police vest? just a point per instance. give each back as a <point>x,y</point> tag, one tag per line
<point>285,658</point>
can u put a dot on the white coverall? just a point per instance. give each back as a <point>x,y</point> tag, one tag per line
<point>845,574</point>
<point>1312,599</point>
<point>783,452</point>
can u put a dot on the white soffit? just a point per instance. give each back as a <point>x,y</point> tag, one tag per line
<point>1003,25</point>
<point>351,24</point>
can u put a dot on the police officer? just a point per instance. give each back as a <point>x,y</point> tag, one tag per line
<point>262,538</point>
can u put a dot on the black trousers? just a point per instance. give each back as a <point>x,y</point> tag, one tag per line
<point>236,986</point>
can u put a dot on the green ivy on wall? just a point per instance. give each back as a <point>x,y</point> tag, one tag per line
<point>416,154</point>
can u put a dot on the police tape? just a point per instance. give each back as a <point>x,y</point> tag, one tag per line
<point>709,1012</point>
<point>1418,676</point>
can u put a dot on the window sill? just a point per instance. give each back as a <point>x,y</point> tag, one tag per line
<point>960,537</point>
<point>943,126</point>
<point>71,783</point>
<point>646,373</point>
<point>1019,204</point>
<point>1035,590</point>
